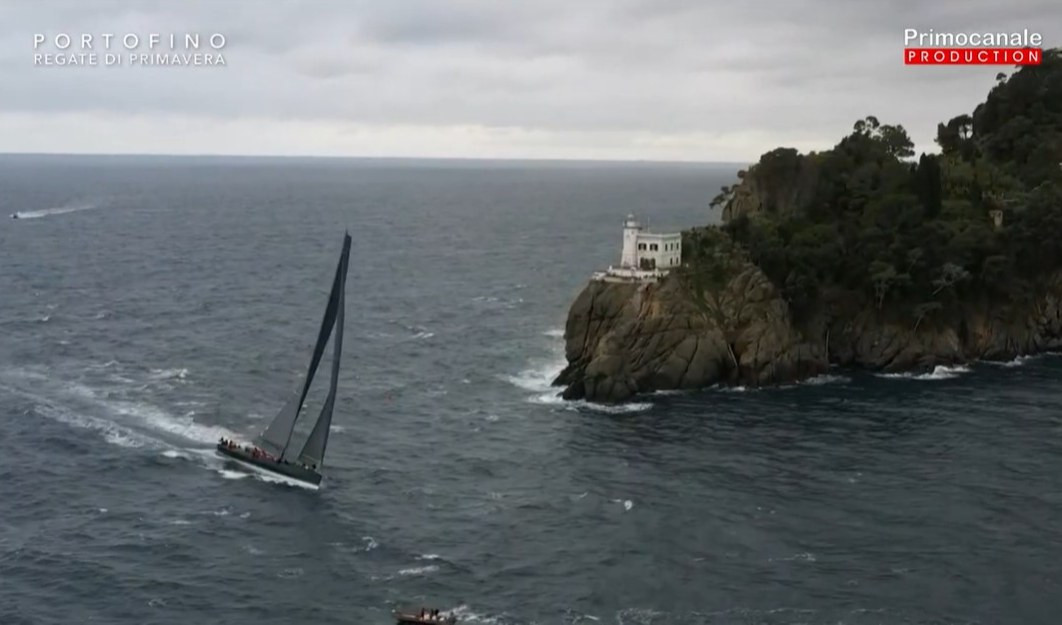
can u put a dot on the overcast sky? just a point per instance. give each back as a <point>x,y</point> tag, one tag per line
<point>598,79</point>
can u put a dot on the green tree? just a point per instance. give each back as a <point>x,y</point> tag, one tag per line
<point>885,279</point>
<point>950,275</point>
<point>924,310</point>
<point>928,185</point>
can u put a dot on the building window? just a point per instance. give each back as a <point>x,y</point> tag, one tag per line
<point>653,247</point>
<point>641,246</point>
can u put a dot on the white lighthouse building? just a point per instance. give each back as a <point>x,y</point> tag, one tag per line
<point>646,256</point>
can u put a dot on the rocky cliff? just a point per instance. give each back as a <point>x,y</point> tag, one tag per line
<point>625,338</point>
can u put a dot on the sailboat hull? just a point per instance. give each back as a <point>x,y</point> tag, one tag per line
<point>292,471</point>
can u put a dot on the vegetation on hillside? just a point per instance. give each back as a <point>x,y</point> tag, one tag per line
<point>911,236</point>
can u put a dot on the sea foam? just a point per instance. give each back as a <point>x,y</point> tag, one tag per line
<point>940,372</point>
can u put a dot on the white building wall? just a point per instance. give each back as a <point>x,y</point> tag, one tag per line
<point>665,249</point>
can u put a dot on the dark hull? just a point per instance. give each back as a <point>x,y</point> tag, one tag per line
<point>293,471</point>
<point>413,619</point>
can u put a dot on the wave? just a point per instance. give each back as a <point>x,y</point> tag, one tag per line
<point>825,378</point>
<point>1020,360</point>
<point>494,301</point>
<point>582,404</point>
<point>57,210</point>
<point>121,439</point>
<point>177,454</point>
<point>419,570</point>
<point>169,374</point>
<point>465,614</point>
<point>731,389</point>
<point>557,333</point>
<point>416,332</point>
<point>538,378</point>
<point>940,372</point>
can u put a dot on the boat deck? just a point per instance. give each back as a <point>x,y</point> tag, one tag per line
<point>286,469</point>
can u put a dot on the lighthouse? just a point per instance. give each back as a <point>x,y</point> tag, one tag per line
<point>646,256</point>
<point>631,229</point>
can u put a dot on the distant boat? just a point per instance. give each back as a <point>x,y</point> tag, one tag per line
<point>272,450</point>
<point>424,618</point>
<point>14,215</point>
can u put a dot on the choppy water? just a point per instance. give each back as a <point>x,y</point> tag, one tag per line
<point>154,305</point>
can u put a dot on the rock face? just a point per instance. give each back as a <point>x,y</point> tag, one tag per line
<point>624,338</point>
<point>627,338</point>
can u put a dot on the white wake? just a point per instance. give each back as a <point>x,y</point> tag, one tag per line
<point>58,210</point>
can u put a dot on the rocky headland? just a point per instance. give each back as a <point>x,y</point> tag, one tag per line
<point>858,256</point>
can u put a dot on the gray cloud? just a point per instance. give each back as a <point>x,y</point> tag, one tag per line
<point>611,78</point>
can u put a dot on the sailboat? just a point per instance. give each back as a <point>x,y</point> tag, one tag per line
<point>272,451</point>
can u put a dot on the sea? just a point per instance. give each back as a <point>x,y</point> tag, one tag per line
<point>150,305</point>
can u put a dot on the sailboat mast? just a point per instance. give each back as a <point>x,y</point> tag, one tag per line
<point>277,436</point>
<point>314,449</point>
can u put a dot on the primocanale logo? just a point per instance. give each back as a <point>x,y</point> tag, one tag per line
<point>979,48</point>
<point>153,49</point>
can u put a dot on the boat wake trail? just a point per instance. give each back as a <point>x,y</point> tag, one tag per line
<point>112,407</point>
<point>58,210</point>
